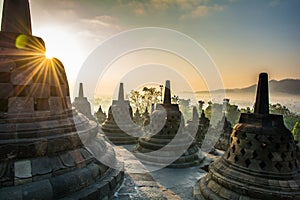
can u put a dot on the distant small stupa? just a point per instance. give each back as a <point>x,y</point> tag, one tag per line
<point>224,129</point>
<point>100,115</point>
<point>119,126</point>
<point>82,105</point>
<point>198,126</point>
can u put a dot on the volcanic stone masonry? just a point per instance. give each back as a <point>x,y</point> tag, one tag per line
<point>168,144</point>
<point>47,150</point>
<point>260,162</point>
<point>119,127</point>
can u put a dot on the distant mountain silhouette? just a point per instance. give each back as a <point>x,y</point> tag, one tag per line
<point>288,86</point>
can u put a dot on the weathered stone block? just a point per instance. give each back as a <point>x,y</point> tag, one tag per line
<point>79,160</point>
<point>23,169</point>
<point>41,104</point>
<point>6,90</point>
<point>39,90</point>
<point>67,160</point>
<point>20,105</point>
<point>55,104</point>
<point>11,193</point>
<point>38,190</point>
<point>41,147</point>
<point>41,166</point>
<point>21,77</point>
<point>7,65</point>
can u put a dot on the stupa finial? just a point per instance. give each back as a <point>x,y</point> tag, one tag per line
<point>121,92</point>
<point>167,95</point>
<point>80,94</point>
<point>16,17</point>
<point>262,95</point>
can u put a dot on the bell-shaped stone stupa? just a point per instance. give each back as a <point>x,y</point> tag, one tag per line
<point>168,144</point>
<point>82,105</point>
<point>260,162</point>
<point>100,115</point>
<point>224,126</point>
<point>200,125</point>
<point>47,150</point>
<point>119,126</point>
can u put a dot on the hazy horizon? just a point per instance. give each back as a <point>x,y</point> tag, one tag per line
<point>242,38</point>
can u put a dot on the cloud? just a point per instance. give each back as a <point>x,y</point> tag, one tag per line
<point>104,21</point>
<point>179,4</point>
<point>201,11</point>
<point>98,28</point>
<point>138,8</point>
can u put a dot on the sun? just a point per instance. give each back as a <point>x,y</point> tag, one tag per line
<point>49,54</point>
<point>63,45</point>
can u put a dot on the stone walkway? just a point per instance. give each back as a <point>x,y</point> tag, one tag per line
<point>167,183</point>
<point>138,182</point>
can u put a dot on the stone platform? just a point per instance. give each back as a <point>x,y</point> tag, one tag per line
<point>141,182</point>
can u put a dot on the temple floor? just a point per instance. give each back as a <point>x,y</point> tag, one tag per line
<point>141,182</point>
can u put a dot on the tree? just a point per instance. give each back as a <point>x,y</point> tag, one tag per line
<point>279,109</point>
<point>175,99</point>
<point>289,117</point>
<point>214,109</point>
<point>135,98</point>
<point>233,114</point>
<point>201,104</point>
<point>150,96</point>
<point>145,98</point>
<point>296,132</point>
<point>185,107</point>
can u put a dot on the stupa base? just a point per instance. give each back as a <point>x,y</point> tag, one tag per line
<point>169,156</point>
<point>254,185</point>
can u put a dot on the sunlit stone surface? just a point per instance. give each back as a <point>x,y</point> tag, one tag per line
<point>260,162</point>
<point>47,150</point>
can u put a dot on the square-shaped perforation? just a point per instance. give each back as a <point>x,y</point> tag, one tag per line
<point>262,164</point>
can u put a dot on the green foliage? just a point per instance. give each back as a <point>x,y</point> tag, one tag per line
<point>201,104</point>
<point>216,110</point>
<point>296,132</point>
<point>233,114</point>
<point>279,109</point>
<point>175,99</point>
<point>246,110</point>
<point>145,98</point>
<point>289,117</point>
<point>185,108</point>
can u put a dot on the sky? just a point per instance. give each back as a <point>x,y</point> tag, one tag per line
<point>241,37</point>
